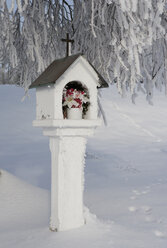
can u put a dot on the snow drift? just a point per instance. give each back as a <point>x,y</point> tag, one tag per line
<point>21,204</point>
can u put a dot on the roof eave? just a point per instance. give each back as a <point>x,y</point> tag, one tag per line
<point>41,85</point>
<point>36,84</point>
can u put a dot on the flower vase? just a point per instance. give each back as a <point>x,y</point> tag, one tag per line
<point>74,113</point>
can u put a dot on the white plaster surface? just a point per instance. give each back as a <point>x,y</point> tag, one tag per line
<point>67,123</point>
<point>45,103</point>
<point>67,182</point>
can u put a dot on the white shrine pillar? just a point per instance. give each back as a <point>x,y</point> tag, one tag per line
<point>67,135</point>
<point>67,146</point>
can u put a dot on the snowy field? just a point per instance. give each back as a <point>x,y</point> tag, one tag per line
<point>126,177</point>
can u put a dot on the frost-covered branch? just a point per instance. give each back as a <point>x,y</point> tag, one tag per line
<point>124,39</point>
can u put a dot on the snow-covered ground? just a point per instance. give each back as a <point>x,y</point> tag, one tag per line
<point>126,177</point>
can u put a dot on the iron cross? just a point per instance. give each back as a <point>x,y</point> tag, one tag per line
<point>68,41</point>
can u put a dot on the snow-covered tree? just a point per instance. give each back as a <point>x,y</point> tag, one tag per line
<point>126,40</point>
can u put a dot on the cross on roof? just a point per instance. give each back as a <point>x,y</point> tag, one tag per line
<point>68,41</point>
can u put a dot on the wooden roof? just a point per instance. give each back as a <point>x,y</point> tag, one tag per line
<point>57,68</point>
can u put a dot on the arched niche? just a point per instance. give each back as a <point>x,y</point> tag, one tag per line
<point>76,95</point>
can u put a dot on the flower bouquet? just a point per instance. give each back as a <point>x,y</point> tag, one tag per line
<point>75,99</point>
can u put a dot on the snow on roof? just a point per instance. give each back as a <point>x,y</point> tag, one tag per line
<point>57,68</point>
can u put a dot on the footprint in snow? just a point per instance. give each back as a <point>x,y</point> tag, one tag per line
<point>146,209</point>
<point>139,193</point>
<point>136,192</point>
<point>159,234</point>
<point>133,209</point>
